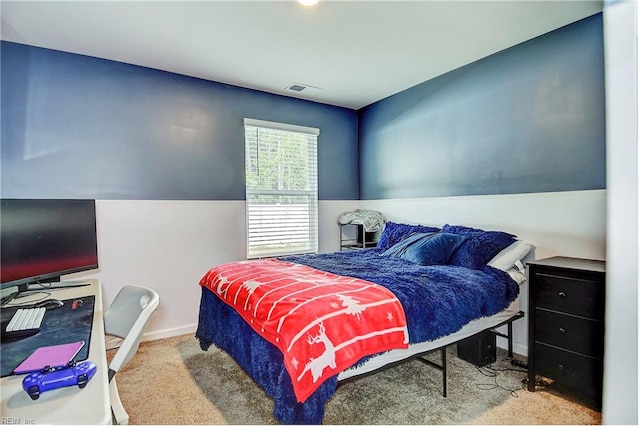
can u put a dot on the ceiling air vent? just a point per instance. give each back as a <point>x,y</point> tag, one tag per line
<point>300,88</point>
<point>297,87</point>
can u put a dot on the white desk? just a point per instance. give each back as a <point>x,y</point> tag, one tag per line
<point>70,405</point>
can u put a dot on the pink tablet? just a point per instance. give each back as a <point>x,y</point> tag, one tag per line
<point>49,356</point>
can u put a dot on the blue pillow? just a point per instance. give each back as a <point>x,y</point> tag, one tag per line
<point>479,247</point>
<point>427,248</point>
<point>401,246</point>
<point>393,233</point>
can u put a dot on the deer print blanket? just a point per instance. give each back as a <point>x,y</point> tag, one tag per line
<point>323,323</point>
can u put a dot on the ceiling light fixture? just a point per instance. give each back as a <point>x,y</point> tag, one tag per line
<point>307,2</point>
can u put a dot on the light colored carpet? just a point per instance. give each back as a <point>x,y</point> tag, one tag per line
<point>172,381</point>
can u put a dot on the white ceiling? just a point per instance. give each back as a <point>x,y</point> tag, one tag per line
<point>357,52</point>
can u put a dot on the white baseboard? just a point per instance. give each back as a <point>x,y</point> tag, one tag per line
<point>171,332</point>
<point>518,348</point>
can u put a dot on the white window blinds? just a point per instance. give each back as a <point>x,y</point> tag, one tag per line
<point>282,189</point>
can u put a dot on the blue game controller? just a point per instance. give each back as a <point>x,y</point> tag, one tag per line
<point>78,374</point>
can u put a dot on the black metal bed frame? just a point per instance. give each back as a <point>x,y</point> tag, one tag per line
<point>443,352</point>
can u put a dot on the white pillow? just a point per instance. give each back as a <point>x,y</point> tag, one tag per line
<point>508,257</point>
<point>517,276</point>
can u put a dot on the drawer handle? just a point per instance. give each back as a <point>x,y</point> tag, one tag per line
<point>560,367</point>
<point>562,294</point>
<point>562,330</point>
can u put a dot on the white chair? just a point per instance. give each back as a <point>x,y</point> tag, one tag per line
<point>126,319</point>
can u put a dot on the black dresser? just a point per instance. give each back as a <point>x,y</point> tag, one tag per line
<point>566,326</point>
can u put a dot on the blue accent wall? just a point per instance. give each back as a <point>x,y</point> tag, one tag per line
<point>81,127</point>
<point>527,119</point>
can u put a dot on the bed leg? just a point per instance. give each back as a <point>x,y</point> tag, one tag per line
<point>444,371</point>
<point>510,339</point>
<point>442,366</point>
<point>509,335</point>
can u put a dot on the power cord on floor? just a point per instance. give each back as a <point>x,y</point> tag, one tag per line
<point>541,384</point>
<point>492,372</point>
<point>520,364</point>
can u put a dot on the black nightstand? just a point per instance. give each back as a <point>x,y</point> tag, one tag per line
<point>566,326</point>
<point>353,236</point>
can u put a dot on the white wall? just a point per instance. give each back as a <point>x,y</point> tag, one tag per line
<point>169,245</point>
<point>558,223</point>
<point>620,400</point>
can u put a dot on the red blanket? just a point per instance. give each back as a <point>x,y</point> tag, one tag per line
<point>323,323</point>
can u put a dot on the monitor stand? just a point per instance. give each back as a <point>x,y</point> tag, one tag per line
<point>14,294</point>
<point>56,285</point>
<point>22,289</point>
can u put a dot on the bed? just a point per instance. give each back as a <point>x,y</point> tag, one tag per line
<point>421,289</point>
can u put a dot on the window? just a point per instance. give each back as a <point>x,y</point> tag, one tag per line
<point>282,189</point>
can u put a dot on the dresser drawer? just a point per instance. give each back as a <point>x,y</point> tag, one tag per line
<point>566,326</point>
<point>571,370</point>
<point>574,296</point>
<point>576,334</point>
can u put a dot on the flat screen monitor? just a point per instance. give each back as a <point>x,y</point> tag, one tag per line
<point>43,239</point>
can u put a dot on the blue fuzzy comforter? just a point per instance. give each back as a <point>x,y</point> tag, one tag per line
<point>438,300</point>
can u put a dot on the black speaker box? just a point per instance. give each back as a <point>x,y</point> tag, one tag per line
<point>479,350</point>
